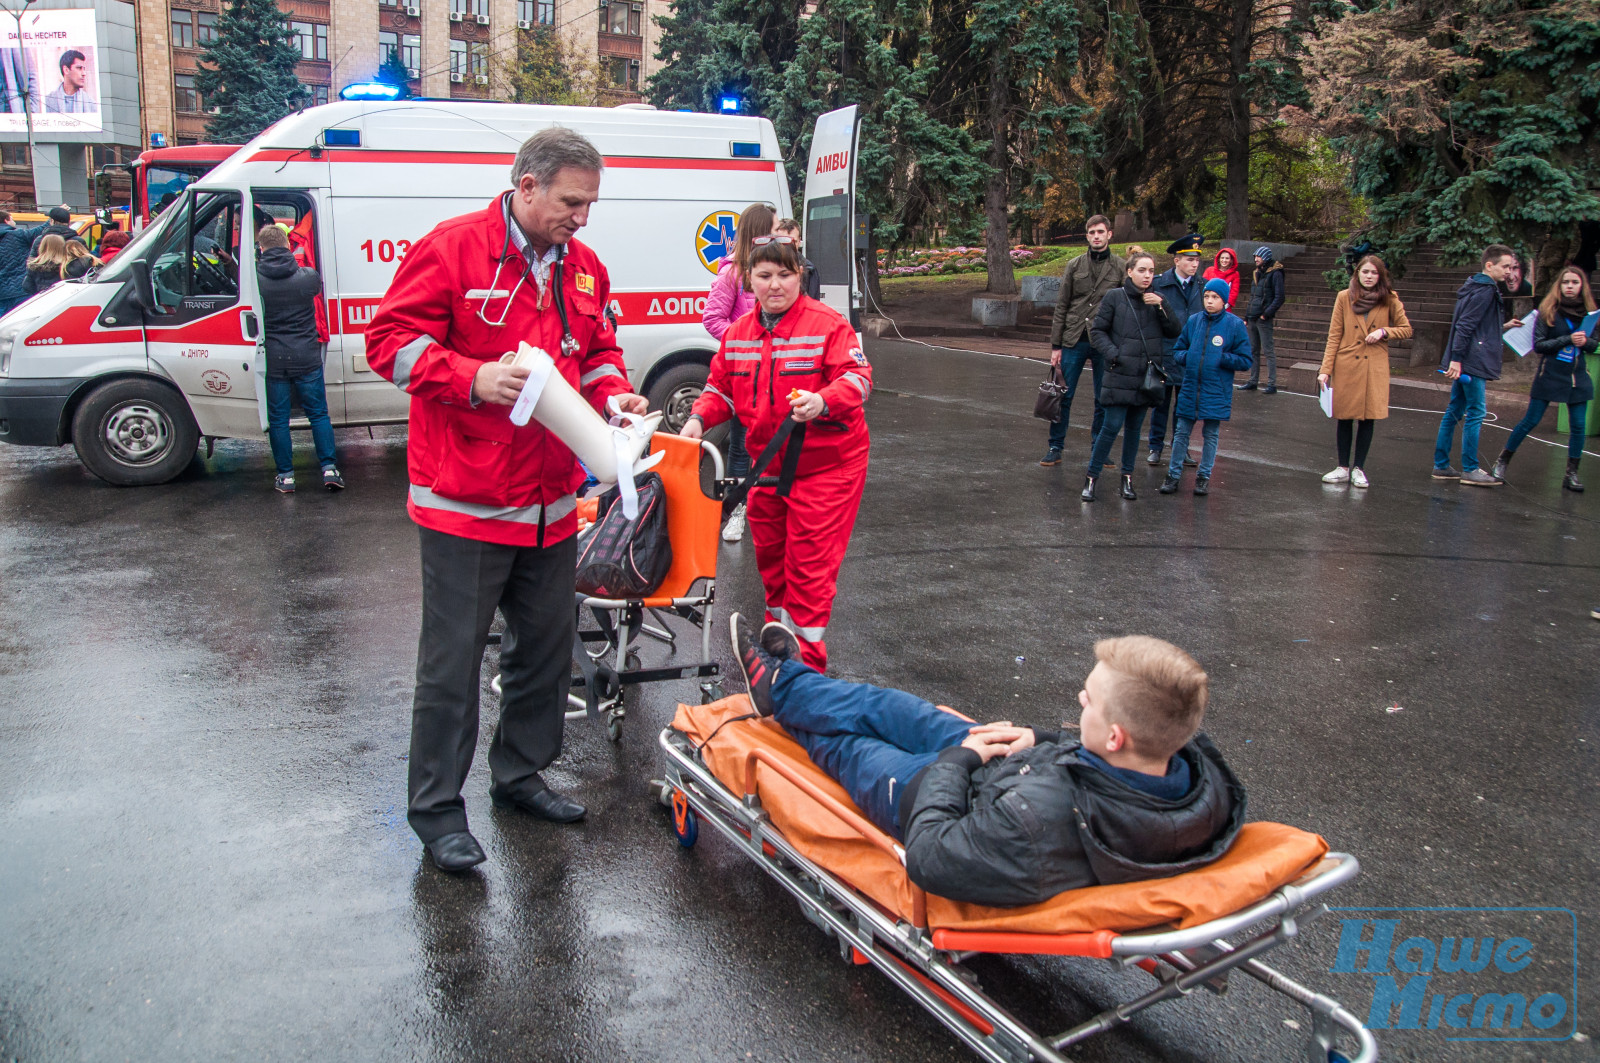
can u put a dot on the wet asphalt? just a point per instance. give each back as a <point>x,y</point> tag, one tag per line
<point>204,709</point>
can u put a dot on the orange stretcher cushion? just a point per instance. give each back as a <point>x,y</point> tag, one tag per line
<point>1264,857</point>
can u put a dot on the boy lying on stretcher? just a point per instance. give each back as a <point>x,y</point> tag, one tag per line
<point>1007,816</point>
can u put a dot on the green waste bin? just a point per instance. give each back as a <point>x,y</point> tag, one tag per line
<point>1592,426</point>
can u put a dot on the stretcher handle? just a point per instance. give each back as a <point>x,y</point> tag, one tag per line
<point>847,815</point>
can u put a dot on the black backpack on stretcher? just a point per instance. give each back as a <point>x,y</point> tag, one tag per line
<point>625,558</point>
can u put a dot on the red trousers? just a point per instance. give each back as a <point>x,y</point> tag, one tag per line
<point>800,543</point>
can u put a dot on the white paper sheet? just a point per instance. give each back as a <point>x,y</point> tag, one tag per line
<point>1520,339</point>
<point>1325,400</point>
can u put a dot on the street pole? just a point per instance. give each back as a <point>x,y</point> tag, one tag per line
<point>27,97</point>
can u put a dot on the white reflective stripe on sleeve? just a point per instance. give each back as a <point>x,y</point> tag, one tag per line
<point>405,360</point>
<point>744,344</point>
<point>742,356</point>
<point>860,382</point>
<point>713,391</point>
<point>595,374</point>
<point>424,497</point>
<point>795,352</point>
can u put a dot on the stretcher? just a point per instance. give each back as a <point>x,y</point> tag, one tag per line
<point>753,784</point>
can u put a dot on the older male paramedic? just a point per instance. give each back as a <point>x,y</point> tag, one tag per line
<point>1010,816</point>
<point>494,502</point>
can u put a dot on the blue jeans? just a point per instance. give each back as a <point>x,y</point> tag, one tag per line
<point>1180,446</point>
<point>1577,421</point>
<point>1467,404</point>
<point>313,396</point>
<point>1072,359</point>
<point>1116,417</point>
<point>871,740</point>
<point>1158,417</point>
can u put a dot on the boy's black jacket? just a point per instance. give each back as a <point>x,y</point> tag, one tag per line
<point>1023,828</point>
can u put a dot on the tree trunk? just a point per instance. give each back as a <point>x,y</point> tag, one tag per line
<point>997,238</point>
<point>1236,130</point>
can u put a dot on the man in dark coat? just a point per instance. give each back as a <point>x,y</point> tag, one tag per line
<point>1181,288</point>
<point>15,245</point>
<point>1084,283</point>
<point>1266,297</point>
<point>1471,358</point>
<point>60,217</point>
<point>294,356</point>
<point>1010,816</point>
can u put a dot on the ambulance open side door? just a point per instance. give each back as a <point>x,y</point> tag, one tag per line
<point>830,211</point>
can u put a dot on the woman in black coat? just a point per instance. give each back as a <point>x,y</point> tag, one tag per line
<point>1126,334</point>
<point>1563,374</point>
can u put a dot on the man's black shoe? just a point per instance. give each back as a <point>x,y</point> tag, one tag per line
<point>1244,387</point>
<point>755,664</point>
<point>780,641</point>
<point>545,804</point>
<point>455,852</point>
<point>1154,457</point>
<point>1202,485</point>
<point>1270,389</point>
<point>1169,485</point>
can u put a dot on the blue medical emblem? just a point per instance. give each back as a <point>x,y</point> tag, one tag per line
<point>714,238</point>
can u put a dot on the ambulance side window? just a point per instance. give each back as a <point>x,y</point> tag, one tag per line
<point>197,258</point>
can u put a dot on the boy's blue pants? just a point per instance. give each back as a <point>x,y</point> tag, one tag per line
<point>870,739</point>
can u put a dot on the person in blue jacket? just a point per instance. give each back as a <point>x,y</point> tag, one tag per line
<point>1213,347</point>
<point>15,242</point>
<point>1471,358</point>
<point>1180,286</point>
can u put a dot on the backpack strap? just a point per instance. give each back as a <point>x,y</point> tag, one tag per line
<point>790,431</point>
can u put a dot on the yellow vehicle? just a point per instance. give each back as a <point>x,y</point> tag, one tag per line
<point>91,227</point>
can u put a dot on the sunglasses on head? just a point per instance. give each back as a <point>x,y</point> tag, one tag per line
<point>763,241</point>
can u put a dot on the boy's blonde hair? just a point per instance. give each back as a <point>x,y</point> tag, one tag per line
<point>1158,692</point>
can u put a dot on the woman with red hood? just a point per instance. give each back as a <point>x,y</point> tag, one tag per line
<point>1225,267</point>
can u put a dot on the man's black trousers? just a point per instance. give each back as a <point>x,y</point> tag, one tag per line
<point>463,581</point>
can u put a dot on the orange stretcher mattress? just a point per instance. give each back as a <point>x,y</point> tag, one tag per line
<point>1264,857</point>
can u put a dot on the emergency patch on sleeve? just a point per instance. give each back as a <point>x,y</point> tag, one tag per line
<point>860,358</point>
<point>584,283</point>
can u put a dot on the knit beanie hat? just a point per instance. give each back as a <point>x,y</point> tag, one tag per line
<point>1264,253</point>
<point>1220,286</point>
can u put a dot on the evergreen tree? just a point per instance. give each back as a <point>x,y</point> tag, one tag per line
<point>1466,121</point>
<point>543,69</point>
<point>713,48</point>
<point>393,72</point>
<point>249,71</point>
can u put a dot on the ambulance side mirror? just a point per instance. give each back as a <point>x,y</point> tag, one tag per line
<point>144,289</point>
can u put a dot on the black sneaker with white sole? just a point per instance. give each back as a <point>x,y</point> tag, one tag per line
<point>780,641</point>
<point>757,666</point>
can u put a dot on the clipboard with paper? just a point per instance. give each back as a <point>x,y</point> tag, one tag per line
<point>1520,339</point>
<point>1325,400</point>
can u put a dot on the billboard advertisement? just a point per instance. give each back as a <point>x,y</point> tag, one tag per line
<point>56,64</point>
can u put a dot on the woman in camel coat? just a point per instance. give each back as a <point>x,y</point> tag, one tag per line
<point>1366,316</point>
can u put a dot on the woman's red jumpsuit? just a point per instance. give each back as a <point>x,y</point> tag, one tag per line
<point>800,540</point>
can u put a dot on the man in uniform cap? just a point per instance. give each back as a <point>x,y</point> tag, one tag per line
<point>1182,289</point>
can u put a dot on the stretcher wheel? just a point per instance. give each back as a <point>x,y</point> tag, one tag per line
<point>1337,1057</point>
<point>614,727</point>
<point>684,822</point>
<point>710,692</point>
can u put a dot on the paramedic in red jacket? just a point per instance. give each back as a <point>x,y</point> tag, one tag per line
<point>494,502</point>
<point>793,344</point>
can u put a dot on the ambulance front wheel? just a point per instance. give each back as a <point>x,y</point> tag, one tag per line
<point>134,433</point>
<point>675,391</point>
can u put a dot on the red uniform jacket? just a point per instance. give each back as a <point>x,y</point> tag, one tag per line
<point>813,349</point>
<point>473,473</point>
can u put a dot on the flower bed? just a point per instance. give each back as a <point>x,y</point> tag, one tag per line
<point>948,261</point>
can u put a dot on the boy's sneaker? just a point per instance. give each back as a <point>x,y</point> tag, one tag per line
<point>733,531</point>
<point>283,483</point>
<point>1169,485</point>
<point>1479,478</point>
<point>1051,457</point>
<point>756,664</point>
<point>1446,473</point>
<point>331,478</point>
<point>780,641</point>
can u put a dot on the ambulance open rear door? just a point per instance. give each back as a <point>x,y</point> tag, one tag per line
<point>830,211</point>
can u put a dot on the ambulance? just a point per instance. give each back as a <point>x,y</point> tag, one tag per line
<point>161,348</point>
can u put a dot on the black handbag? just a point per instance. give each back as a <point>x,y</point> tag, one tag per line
<point>1153,388</point>
<point>1047,406</point>
<point>625,558</point>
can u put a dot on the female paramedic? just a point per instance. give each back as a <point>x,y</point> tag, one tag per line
<point>793,358</point>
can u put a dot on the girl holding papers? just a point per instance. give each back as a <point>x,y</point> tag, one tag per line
<point>1355,364</point>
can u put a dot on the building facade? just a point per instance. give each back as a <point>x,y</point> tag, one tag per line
<point>460,49</point>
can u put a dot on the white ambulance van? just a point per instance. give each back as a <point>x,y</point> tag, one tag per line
<point>161,348</point>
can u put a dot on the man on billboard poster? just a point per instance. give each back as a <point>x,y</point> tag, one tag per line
<point>72,96</point>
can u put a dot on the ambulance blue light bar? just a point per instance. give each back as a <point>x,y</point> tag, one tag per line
<point>341,138</point>
<point>729,104</point>
<point>741,149</point>
<point>370,90</point>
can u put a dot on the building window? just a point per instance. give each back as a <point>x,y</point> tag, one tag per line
<point>388,44</point>
<point>205,27</point>
<point>14,155</point>
<point>458,57</point>
<point>388,3</point>
<point>537,12</point>
<point>319,95</point>
<point>185,96</point>
<point>470,8</point>
<point>622,19</point>
<point>182,28</point>
<point>408,46</point>
<point>311,38</point>
<point>623,74</point>
<point>478,59</point>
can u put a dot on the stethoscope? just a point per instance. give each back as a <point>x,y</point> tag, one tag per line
<point>569,343</point>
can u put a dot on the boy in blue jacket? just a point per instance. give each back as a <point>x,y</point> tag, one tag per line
<point>1471,358</point>
<point>1213,347</point>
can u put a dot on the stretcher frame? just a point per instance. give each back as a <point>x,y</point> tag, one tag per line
<point>929,965</point>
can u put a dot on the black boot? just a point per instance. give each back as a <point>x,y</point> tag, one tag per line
<point>1169,485</point>
<point>1088,489</point>
<point>1571,481</point>
<point>1127,488</point>
<point>1500,463</point>
<point>1202,485</point>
